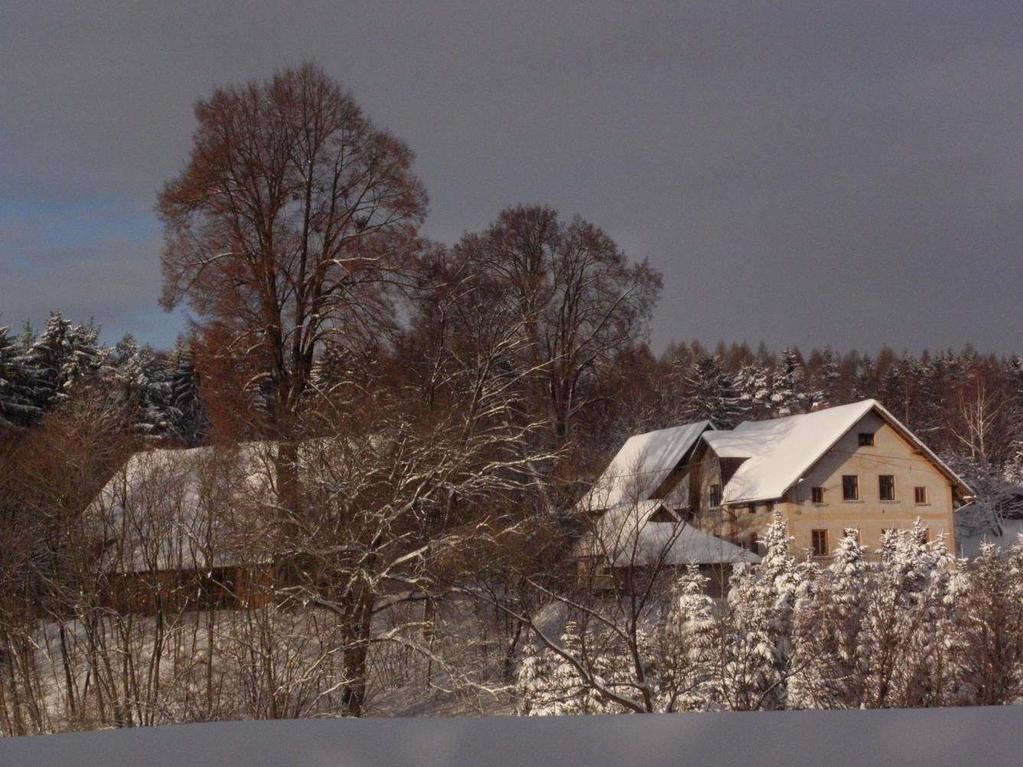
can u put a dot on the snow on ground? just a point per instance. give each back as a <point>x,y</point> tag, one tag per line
<point>1002,534</point>
<point>932,737</point>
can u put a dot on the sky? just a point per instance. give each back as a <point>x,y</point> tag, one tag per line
<point>801,173</point>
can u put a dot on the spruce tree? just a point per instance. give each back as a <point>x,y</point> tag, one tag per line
<point>189,423</point>
<point>16,406</point>
<point>708,392</point>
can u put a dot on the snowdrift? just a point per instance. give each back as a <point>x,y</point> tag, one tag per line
<point>981,736</point>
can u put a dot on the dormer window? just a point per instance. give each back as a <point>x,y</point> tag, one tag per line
<point>866,439</point>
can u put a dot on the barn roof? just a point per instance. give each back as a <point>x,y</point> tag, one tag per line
<point>778,452</point>
<point>641,466</point>
<point>181,509</point>
<point>647,533</point>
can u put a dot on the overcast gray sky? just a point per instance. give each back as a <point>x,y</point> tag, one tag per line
<point>846,174</point>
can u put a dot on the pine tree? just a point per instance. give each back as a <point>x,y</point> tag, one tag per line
<point>64,356</point>
<point>824,385</point>
<point>533,682</point>
<point>991,627</point>
<point>826,632</point>
<point>143,386</point>
<point>907,630</point>
<point>753,384</point>
<point>550,685</point>
<point>691,644</point>
<point>761,605</point>
<point>708,392</point>
<point>16,406</point>
<point>189,423</point>
<point>790,393</point>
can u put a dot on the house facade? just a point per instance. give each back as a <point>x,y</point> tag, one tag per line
<point>853,466</point>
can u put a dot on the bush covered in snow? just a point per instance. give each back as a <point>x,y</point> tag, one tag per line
<point>910,626</point>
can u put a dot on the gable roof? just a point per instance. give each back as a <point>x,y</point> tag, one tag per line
<point>627,536</point>
<point>641,466</point>
<point>780,451</point>
<point>180,509</point>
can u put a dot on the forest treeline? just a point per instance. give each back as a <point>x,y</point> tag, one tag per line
<point>966,405</point>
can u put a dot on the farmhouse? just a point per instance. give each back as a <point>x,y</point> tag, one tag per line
<point>853,466</point>
<point>639,506</point>
<point>183,528</point>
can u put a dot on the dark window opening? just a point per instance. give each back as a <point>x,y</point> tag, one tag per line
<point>817,494</point>
<point>920,494</point>
<point>715,495</point>
<point>819,542</point>
<point>850,487</point>
<point>886,487</point>
<point>866,439</point>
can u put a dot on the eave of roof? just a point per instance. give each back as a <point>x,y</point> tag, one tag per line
<point>730,444</point>
<point>648,459</point>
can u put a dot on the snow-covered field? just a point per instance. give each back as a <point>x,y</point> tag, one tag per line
<point>977,737</point>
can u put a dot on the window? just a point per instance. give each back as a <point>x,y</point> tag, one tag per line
<point>770,507</point>
<point>752,508</point>
<point>920,494</point>
<point>819,542</point>
<point>715,495</point>
<point>886,487</point>
<point>850,487</point>
<point>817,494</point>
<point>866,439</point>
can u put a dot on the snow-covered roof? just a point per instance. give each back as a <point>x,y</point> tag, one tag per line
<point>780,451</point>
<point>641,465</point>
<point>626,536</point>
<point>176,509</point>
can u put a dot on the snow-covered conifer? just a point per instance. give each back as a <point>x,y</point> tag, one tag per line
<point>63,356</point>
<point>761,603</point>
<point>189,422</point>
<point>691,648</point>
<point>16,406</point>
<point>708,392</point>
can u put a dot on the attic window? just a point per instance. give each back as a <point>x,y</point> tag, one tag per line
<point>866,439</point>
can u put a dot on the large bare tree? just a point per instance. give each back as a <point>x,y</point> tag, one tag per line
<point>580,301</point>
<point>292,217</point>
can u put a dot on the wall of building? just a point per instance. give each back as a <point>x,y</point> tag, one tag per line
<point>890,454</point>
<point>739,525</point>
